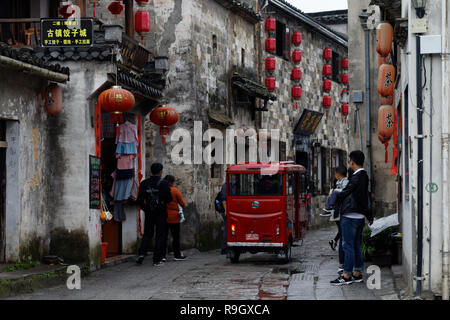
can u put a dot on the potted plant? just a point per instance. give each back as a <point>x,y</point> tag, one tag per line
<point>378,247</point>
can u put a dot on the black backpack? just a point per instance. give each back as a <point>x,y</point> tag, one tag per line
<point>153,201</point>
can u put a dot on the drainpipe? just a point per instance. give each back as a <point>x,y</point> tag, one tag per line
<point>430,225</point>
<point>363,18</point>
<point>419,168</point>
<point>445,150</point>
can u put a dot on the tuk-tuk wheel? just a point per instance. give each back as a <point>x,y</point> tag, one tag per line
<point>234,255</point>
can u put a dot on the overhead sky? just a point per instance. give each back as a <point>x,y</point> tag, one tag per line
<point>319,5</point>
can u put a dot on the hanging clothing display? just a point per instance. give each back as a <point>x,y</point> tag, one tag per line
<point>128,133</point>
<point>126,148</point>
<point>125,161</point>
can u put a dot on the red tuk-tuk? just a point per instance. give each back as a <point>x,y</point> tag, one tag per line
<point>266,208</point>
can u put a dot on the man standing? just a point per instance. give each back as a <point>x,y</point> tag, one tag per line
<point>220,206</point>
<point>154,194</point>
<point>354,209</point>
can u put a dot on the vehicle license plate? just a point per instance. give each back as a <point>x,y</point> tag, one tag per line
<point>250,236</point>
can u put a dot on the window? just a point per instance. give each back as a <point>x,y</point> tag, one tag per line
<point>214,44</point>
<point>243,57</point>
<point>283,41</point>
<point>255,184</point>
<point>336,67</point>
<point>216,169</point>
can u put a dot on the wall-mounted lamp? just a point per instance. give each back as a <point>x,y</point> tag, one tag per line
<point>419,5</point>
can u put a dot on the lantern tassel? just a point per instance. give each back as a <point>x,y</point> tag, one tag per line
<point>296,106</point>
<point>163,138</point>
<point>386,155</point>
<point>327,113</point>
<point>117,129</point>
<point>94,8</point>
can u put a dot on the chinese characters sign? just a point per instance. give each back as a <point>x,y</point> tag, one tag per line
<point>67,32</point>
<point>308,122</point>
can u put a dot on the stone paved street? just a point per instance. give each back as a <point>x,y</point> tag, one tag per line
<point>208,275</point>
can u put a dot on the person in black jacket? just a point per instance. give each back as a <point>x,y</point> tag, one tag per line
<point>151,189</point>
<point>354,209</point>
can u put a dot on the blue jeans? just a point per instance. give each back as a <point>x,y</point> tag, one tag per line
<point>332,200</point>
<point>351,244</point>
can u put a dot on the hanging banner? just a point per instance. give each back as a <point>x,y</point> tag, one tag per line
<point>94,182</point>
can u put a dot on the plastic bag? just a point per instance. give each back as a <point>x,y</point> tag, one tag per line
<point>383,223</point>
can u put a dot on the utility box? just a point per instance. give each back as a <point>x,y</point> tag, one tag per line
<point>358,97</point>
<point>431,44</point>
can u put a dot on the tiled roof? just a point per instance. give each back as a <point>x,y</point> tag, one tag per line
<point>251,87</point>
<point>140,84</point>
<point>96,52</point>
<point>242,9</point>
<point>27,55</point>
<point>331,17</point>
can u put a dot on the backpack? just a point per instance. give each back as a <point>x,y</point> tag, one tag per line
<point>153,201</point>
<point>218,204</point>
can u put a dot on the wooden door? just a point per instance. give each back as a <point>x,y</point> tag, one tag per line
<point>112,231</point>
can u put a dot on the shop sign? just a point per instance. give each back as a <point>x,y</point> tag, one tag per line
<point>308,122</point>
<point>67,32</point>
<point>94,182</point>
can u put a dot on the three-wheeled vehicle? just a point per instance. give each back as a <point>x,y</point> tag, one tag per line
<point>266,208</point>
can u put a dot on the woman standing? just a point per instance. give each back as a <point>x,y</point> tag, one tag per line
<point>173,217</point>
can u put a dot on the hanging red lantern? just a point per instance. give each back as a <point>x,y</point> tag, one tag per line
<point>270,64</point>
<point>327,70</point>
<point>271,25</point>
<point>94,4</point>
<point>296,74</point>
<point>296,56</point>
<point>327,85</point>
<point>271,44</point>
<point>53,99</point>
<point>142,23</point>
<point>270,83</point>
<point>66,11</point>
<point>386,126</point>
<point>345,78</point>
<point>116,8</point>
<point>165,117</point>
<point>386,80</point>
<point>345,111</point>
<point>345,63</point>
<point>116,100</point>
<point>142,3</point>
<point>385,35</point>
<point>296,92</point>
<point>296,38</point>
<point>327,54</point>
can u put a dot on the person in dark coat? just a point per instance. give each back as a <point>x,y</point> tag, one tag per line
<point>353,201</point>
<point>155,213</point>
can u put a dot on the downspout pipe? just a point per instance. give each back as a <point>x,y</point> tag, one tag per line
<point>445,150</point>
<point>363,18</point>
<point>419,168</point>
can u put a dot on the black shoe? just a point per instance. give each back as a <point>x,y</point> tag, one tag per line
<point>341,281</point>
<point>180,258</point>
<point>327,213</point>
<point>358,278</point>
<point>140,259</point>
<point>158,264</point>
<point>333,244</point>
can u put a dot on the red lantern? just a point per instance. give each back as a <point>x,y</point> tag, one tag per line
<point>296,56</point>
<point>296,74</point>
<point>327,85</point>
<point>327,70</point>
<point>385,35</point>
<point>271,44</point>
<point>66,11</point>
<point>53,99</point>
<point>327,54</point>
<point>345,63</point>
<point>270,83</point>
<point>142,3</point>
<point>271,24</point>
<point>116,100</point>
<point>116,8</point>
<point>296,92</point>
<point>326,101</point>
<point>344,111</point>
<point>165,117</point>
<point>345,78</point>
<point>270,64</point>
<point>296,38</point>
<point>386,126</point>
<point>142,23</point>
<point>386,80</point>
